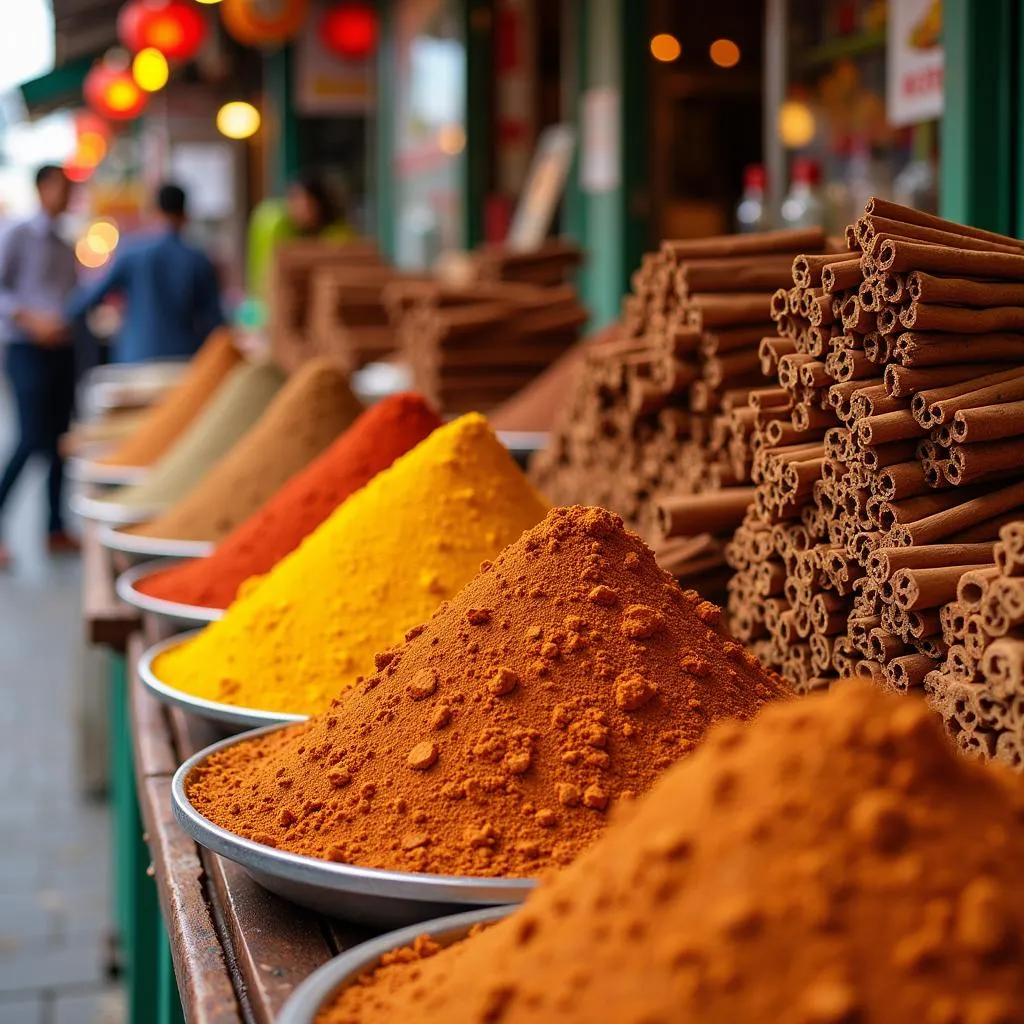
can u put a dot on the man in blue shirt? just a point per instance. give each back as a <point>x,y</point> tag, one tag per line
<point>170,288</point>
<point>37,275</point>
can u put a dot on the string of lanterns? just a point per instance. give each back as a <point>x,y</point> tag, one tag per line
<point>156,34</point>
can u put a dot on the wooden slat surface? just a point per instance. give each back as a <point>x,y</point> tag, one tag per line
<point>108,621</point>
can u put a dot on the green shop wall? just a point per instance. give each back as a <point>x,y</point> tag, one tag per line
<point>606,58</point>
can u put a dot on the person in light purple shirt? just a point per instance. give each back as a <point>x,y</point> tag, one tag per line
<point>37,276</point>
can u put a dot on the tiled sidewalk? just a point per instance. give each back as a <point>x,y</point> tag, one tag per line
<point>54,847</point>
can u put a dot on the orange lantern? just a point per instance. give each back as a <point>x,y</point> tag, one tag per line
<point>263,22</point>
<point>350,30</point>
<point>175,28</point>
<point>113,93</point>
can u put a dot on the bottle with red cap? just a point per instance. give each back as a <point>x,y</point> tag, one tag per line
<point>803,207</point>
<point>752,211</point>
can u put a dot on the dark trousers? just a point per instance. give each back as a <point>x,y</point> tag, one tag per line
<point>43,382</point>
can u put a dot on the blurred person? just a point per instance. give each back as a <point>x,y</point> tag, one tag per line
<point>37,276</point>
<point>310,209</point>
<point>170,289</point>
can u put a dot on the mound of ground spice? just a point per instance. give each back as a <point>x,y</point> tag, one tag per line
<point>384,432</point>
<point>167,420</point>
<point>833,862</point>
<point>306,415</point>
<point>381,563</point>
<point>563,679</point>
<point>220,424</point>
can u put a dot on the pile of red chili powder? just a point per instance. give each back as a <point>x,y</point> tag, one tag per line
<point>833,862</point>
<point>563,679</point>
<point>380,435</point>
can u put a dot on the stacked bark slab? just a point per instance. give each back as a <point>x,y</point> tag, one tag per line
<point>871,498</point>
<point>648,429</point>
<point>472,347</point>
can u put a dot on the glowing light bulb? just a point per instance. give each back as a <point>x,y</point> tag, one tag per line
<point>238,120</point>
<point>150,70</point>
<point>725,53</point>
<point>665,47</point>
<point>796,124</point>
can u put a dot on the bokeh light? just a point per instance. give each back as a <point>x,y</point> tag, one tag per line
<point>88,256</point>
<point>150,70</point>
<point>238,120</point>
<point>665,47</point>
<point>796,124</point>
<point>103,236</point>
<point>451,139</point>
<point>725,53</point>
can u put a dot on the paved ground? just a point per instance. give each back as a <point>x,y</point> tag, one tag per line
<point>54,847</point>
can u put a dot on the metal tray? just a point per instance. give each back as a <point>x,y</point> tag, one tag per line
<point>153,547</point>
<point>382,898</point>
<point>88,471</point>
<point>227,714</point>
<point>103,510</point>
<point>323,985</point>
<point>175,611</point>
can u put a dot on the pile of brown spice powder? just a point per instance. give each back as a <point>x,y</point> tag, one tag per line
<point>563,679</point>
<point>832,862</point>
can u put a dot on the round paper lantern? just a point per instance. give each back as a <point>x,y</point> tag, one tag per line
<point>263,22</point>
<point>350,30</point>
<point>113,93</point>
<point>173,27</point>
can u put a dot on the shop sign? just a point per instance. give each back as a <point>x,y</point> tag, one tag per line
<point>915,61</point>
<point>327,84</point>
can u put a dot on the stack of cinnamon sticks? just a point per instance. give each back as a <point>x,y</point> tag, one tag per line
<point>979,688</point>
<point>471,347</point>
<point>648,431</point>
<point>548,266</point>
<point>347,318</point>
<point>872,498</point>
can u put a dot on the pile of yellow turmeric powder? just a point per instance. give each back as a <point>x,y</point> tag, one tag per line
<point>295,638</point>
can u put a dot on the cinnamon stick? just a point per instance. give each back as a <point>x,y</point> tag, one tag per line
<point>880,229</point>
<point>987,423</point>
<point>790,241</point>
<point>900,255</point>
<point>962,518</point>
<point>927,588</point>
<point>922,316</point>
<point>718,512</point>
<point>877,207</point>
<point>1008,389</point>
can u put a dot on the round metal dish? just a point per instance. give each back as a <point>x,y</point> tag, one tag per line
<point>324,985</point>
<point>103,510</point>
<point>187,614</point>
<point>153,547</point>
<point>88,471</point>
<point>382,898</point>
<point>227,714</point>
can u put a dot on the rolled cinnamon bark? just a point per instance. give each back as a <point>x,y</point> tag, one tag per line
<point>807,270</point>
<point>923,316</point>
<point>892,288</point>
<point>915,349</point>
<point>1009,552</point>
<point>888,319</point>
<point>1007,389</point>
<point>881,228</point>
<point>877,207</point>
<point>927,588</point>
<point>839,275</point>
<point>875,457</point>
<point>904,480</point>
<point>974,584</point>
<point>987,423</point>
<point>799,240</point>
<point>899,255</point>
<point>962,291</point>
<point>887,427</point>
<point>1003,666</point>
<point>720,309</point>
<point>729,339</point>
<point>717,512</point>
<point>962,518</point>
<point>974,462</point>
<point>908,671</point>
<point>763,273</point>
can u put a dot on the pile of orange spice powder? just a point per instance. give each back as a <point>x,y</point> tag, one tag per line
<point>562,680</point>
<point>832,862</point>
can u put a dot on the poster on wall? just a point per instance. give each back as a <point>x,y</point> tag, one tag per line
<point>914,62</point>
<point>326,84</point>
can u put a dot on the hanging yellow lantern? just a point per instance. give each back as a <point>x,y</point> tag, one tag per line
<point>263,22</point>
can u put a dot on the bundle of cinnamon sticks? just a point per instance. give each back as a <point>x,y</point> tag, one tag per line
<point>548,266</point>
<point>292,325</point>
<point>472,346</point>
<point>649,430</point>
<point>886,454</point>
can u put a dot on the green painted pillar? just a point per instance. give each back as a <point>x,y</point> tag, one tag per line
<point>283,154</point>
<point>982,112</point>
<point>606,205</point>
<point>476,160</point>
<point>384,200</point>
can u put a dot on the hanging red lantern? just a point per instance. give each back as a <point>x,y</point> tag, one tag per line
<point>263,22</point>
<point>112,92</point>
<point>350,30</point>
<point>175,28</point>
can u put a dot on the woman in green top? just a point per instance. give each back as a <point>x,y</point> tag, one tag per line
<point>308,210</point>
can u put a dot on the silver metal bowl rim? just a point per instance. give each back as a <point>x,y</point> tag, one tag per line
<point>125,589</point>
<point>326,982</point>
<point>89,471</point>
<point>326,874</point>
<point>154,547</point>
<point>102,510</point>
<point>230,714</point>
